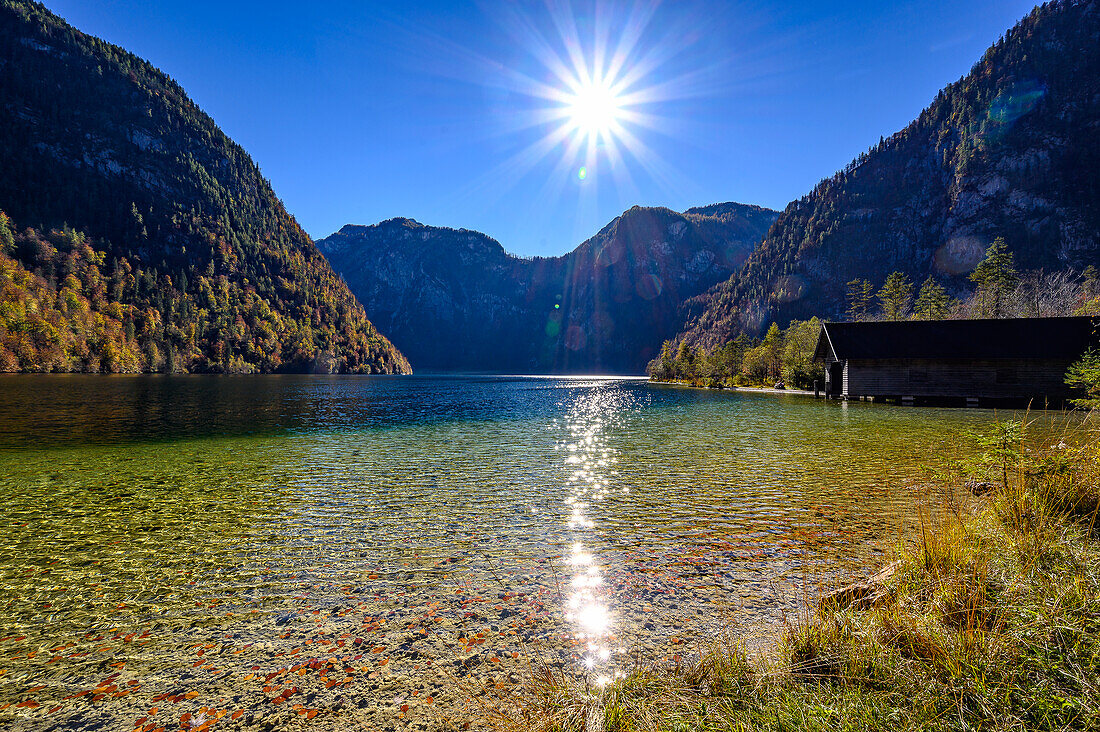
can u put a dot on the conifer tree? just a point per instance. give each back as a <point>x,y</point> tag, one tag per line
<point>1085,375</point>
<point>773,350</point>
<point>996,278</point>
<point>933,302</point>
<point>896,296</point>
<point>7,241</point>
<point>666,361</point>
<point>685,361</point>
<point>860,293</point>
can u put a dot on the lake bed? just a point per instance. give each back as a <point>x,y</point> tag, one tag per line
<point>263,552</point>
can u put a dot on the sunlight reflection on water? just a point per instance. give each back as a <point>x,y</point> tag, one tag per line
<point>586,606</point>
<point>405,539</point>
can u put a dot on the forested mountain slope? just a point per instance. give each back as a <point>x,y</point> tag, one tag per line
<point>1011,150</point>
<point>456,300</point>
<point>131,202</point>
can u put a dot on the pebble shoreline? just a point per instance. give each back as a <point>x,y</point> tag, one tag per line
<point>362,659</point>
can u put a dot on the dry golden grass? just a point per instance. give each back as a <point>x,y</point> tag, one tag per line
<point>991,622</point>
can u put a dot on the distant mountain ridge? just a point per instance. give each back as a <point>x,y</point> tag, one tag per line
<point>167,231</point>
<point>1012,150</point>
<point>454,299</point>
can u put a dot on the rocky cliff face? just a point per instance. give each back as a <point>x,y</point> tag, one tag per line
<point>1012,150</point>
<point>449,294</point>
<point>456,300</point>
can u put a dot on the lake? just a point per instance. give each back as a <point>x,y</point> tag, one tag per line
<point>392,552</point>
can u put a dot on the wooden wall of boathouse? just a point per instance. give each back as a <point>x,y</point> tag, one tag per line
<point>961,378</point>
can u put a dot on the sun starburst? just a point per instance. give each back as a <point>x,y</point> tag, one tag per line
<point>595,86</point>
<point>594,108</point>
<point>598,90</point>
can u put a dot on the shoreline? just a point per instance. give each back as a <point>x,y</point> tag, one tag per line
<point>747,389</point>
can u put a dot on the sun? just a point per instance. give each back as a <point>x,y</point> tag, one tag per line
<point>591,90</point>
<point>594,109</point>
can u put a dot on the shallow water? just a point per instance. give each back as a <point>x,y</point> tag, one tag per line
<point>264,552</point>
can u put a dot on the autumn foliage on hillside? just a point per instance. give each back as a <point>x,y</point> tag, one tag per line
<point>66,306</point>
<point>154,242</point>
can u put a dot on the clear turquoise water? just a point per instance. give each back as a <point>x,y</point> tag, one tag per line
<point>371,528</point>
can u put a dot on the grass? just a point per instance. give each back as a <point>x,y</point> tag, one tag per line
<point>991,621</point>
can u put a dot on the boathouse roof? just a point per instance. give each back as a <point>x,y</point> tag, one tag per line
<point>1003,338</point>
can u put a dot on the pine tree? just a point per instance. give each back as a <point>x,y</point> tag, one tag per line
<point>859,298</point>
<point>773,350</point>
<point>7,241</point>
<point>996,277</point>
<point>933,302</point>
<point>665,362</point>
<point>896,296</point>
<point>685,361</point>
<point>1085,375</point>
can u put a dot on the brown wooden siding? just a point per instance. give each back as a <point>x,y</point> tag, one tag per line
<point>993,379</point>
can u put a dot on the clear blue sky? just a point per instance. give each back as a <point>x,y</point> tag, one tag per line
<point>362,111</point>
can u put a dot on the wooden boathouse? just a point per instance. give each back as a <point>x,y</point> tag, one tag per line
<point>1013,360</point>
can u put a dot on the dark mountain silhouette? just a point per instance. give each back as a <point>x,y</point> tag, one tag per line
<point>1012,150</point>
<point>153,241</point>
<point>456,300</point>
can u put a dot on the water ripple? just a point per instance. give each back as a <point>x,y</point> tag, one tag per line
<point>190,544</point>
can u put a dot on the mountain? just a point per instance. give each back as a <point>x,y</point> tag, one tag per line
<point>456,300</point>
<point>1012,149</point>
<point>143,237</point>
